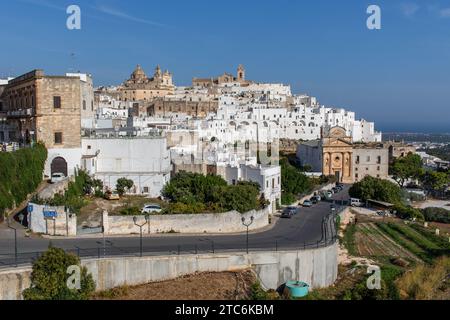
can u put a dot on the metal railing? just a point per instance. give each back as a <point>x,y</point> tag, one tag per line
<point>107,249</point>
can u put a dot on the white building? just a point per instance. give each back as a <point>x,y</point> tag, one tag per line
<point>268,177</point>
<point>145,160</point>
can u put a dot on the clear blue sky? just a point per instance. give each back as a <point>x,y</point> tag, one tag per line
<point>398,76</point>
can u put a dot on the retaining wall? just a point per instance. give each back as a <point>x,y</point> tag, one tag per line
<point>228,222</point>
<point>317,267</point>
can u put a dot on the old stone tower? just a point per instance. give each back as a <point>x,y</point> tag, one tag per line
<point>241,73</point>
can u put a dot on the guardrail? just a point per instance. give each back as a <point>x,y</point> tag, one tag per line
<point>106,248</point>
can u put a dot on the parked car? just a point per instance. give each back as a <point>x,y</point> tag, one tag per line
<point>336,189</point>
<point>110,195</point>
<point>289,212</point>
<point>354,202</point>
<point>151,208</point>
<point>307,203</point>
<point>57,177</point>
<point>318,198</point>
<point>313,200</point>
<point>327,194</point>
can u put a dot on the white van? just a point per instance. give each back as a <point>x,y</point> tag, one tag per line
<point>354,202</point>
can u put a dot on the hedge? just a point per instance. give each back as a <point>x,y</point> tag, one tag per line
<point>20,174</point>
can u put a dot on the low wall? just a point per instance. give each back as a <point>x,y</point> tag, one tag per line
<point>228,222</point>
<point>317,267</point>
<point>65,224</point>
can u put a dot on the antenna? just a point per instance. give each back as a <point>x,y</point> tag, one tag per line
<point>72,62</point>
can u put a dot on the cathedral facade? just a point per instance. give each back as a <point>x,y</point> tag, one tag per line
<point>335,154</point>
<point>141,88</point>
<point>224,78</point>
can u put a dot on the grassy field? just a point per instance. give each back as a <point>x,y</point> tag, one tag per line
<point>414,262</point>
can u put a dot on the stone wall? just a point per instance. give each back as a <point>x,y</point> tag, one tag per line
<point>65,223</point>
<point>317,267</point>
<point>228,222</point>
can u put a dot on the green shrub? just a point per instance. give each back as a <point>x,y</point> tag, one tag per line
<point>376,189</point>
<point>436,215</point>
<point>196,193</point>
<point>49,278</point>
<point>73,197</point>
<point>131,211</point>
<point>408,212</point>
<point>123,185</point>
<point>20,175</point>
<point>293,182</point>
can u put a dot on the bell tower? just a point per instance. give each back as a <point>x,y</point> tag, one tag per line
<point>241,73</point>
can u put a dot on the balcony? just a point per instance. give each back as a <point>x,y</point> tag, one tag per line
<point>21,113</point>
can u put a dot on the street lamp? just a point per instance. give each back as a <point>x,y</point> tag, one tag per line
<point>147,219</point>
<point>15,241</point>
<point>247,224</point>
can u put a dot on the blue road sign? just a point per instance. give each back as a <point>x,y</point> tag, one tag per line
<point>50,214</point>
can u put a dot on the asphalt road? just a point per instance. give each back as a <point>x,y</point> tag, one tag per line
<point>303,230</point>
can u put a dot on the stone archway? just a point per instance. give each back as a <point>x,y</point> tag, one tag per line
<point>59,165</point>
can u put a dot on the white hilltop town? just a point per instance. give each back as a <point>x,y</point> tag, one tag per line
<point>147,128</point>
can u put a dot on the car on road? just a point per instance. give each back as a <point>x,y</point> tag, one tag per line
<point>336,190</point>
<point>151,208</point>
<point>307,203</point>
<point>327,194</point>
<point>289,212</point>
<point>318,198</point>
<point>313,200</point>
<point>57,177</point>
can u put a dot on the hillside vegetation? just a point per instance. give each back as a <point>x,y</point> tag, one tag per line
<point>20,174</point>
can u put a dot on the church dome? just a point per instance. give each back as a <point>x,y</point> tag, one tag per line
<point>138,73</point>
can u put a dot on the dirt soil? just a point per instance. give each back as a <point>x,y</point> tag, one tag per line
<point>201,286</point>
<point>91,215</point>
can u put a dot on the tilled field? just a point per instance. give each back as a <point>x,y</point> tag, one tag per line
<point>371,241</point>
<point>202,286</point>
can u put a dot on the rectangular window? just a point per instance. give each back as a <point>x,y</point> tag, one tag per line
<point>368,159</point>
<point>379,160</point>
<point>58,138</point>
<point>357,159</point>
<point>145,189</point>
<point>84,104</point>
<point>57,102</point>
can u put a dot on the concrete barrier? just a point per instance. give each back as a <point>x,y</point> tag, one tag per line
<point>317,267</point>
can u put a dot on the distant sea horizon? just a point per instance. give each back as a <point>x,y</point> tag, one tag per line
<point>414,128</point>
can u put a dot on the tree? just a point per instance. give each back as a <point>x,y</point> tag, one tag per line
<point>123,185</point>
<point>376,189</point>
<point>405,168</point>
<point>433,180</point>
<point>194,193</point>
<point>49,278</point>
<point>293,182</point>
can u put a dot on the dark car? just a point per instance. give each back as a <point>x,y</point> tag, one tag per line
<point>289,212</point>
<point>313,200</point>
<point>336,189</point>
